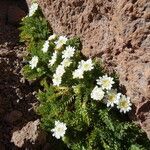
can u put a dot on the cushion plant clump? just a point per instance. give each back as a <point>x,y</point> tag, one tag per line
<point>80,103</point>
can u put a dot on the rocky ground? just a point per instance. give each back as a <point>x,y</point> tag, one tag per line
<point>118,31</point>
<point>19,125</point>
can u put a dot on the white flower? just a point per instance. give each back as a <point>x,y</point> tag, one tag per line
<point>68,52</point>
<point>78,73</point>
<point>60,42</point>
<point>66,62</point>
<point>33,62</point>
<point>52,37</point>
<point>105,82</point>
<point>112,98</point>
<point>45,46</point>
<point>86,65</point>
<point>56,79</point>
<point>33,9</point>
<point>53,59</point>
<point>97,93</point>
<point>59,130</point>
<point>124,104</point>
<point>60,70</point>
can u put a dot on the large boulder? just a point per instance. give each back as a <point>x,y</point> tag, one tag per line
<point>116,30</point>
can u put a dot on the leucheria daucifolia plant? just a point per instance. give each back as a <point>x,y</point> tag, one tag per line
<point>80,102</point>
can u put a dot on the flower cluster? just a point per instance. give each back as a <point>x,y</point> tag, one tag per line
<point>111,97</point>
<point>103,89</point>
<point>33,9</point>
<point>60,70</point>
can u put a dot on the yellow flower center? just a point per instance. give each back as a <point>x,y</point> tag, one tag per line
<point>123,104</point>
<point>59,129</point>
<point>105,83</point>
<point>62,42</point>
<point>111,97</point>
<point>86,66</point>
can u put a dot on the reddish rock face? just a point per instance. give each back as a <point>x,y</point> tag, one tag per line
<point>116,30</point>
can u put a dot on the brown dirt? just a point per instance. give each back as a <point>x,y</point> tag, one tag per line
<point>17,100</point>
<point>119,32</point>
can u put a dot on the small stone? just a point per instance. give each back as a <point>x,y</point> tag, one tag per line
<point>19,93</point>
<point>17,100</point>
<point>30,133</point>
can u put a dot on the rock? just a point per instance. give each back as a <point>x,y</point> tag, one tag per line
<point>19,93</point>
<point>30,133</point>
<point>118,32</point>
<point>143,115</point>
<point>13,116</point>
<point>15,14</point>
